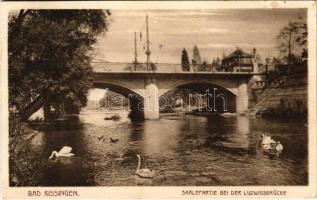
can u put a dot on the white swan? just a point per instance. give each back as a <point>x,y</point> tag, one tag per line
<point>266,142</point>
<point>279,147</point>
<point>64,152</point>
<point>143,173</point>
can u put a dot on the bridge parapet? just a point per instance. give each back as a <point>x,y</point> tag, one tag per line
<point>121,67</point>
<point>139,67</point>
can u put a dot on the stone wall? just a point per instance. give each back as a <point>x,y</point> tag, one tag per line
<point>286,95</point>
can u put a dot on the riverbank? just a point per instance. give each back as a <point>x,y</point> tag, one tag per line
<point>23,164</point>
<point>72,122</point>
<point>285,97</point>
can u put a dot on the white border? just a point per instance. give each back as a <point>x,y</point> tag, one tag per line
<point>162,192</point>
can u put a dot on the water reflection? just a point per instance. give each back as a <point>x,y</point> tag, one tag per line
<point>158,140</point>
<point>243,126</point>
<point>53,138</point>
<point>194,150</point>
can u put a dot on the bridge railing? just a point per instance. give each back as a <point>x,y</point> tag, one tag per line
<point>131,67</point>
<point>142,67</point>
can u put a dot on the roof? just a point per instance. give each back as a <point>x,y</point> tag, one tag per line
<point>239,52</point>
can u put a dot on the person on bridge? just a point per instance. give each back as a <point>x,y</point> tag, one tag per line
<point>152,67</point>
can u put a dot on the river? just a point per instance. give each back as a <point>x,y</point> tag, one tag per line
<point>192,150</point>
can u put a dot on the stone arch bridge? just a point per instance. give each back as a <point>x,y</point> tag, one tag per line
<point>149,85</point>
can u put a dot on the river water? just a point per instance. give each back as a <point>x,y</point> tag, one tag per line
<point>192,150</point>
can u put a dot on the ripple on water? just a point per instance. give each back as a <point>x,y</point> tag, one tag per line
<point>189,151</point>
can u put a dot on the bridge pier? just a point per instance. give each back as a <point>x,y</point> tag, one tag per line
<point>242,100</point>
<point>151,99</point>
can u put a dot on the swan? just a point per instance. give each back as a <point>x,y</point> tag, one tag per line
<point>64,152</point>
<point>143,173</point>
<point>266,142</point>
<point>100,138</point>
<point>113,140</point>
<point>279,147</point>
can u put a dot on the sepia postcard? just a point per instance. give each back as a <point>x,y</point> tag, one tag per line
<point>158,100</point>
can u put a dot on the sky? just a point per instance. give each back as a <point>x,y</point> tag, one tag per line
<point>215,32</point>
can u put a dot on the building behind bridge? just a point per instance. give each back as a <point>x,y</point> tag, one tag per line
<point>240,61</point>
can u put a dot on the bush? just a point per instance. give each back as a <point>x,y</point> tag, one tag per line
<point>23,164</point>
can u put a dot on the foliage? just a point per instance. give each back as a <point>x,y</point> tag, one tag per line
<point>49,56</point>
<point>112,100</point>
<point>292,38</point>
<point>185,61</point>
<point>23,164</point>
<point>301,39</point>
<point>196,56</point>
<point>216,64</point>
<point>205,67</point>
<point>196,61</point>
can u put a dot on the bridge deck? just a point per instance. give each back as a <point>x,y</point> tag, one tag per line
<point>178,74</point>
<point>162,69</point>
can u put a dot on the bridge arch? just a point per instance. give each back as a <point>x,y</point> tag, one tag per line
<point>120,88</point>
<point>135,97</point>
<point>231,86</point>
<point>223,95</point>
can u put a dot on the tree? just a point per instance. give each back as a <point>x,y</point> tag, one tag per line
<point>185,61</point>
<point>302,37</point>
<point>196,61</point>
<point>49,62</point>
<point>216,64</point>
<point>196,56</point>
<point>223,55</point>
<point>204,66</point>
<point>291,38</point>
<point>218,61</point>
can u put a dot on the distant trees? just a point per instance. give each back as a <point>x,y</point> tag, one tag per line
<point>301,39</point>
<point>291,40</point>
<point>203,66</point>
<point>185,61</point>
<point>216,64</point>
<point>49,62</point>
<point>292,46</point>
<point>196,61</point>
<point>196,56</point>
<point>113,100</point>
